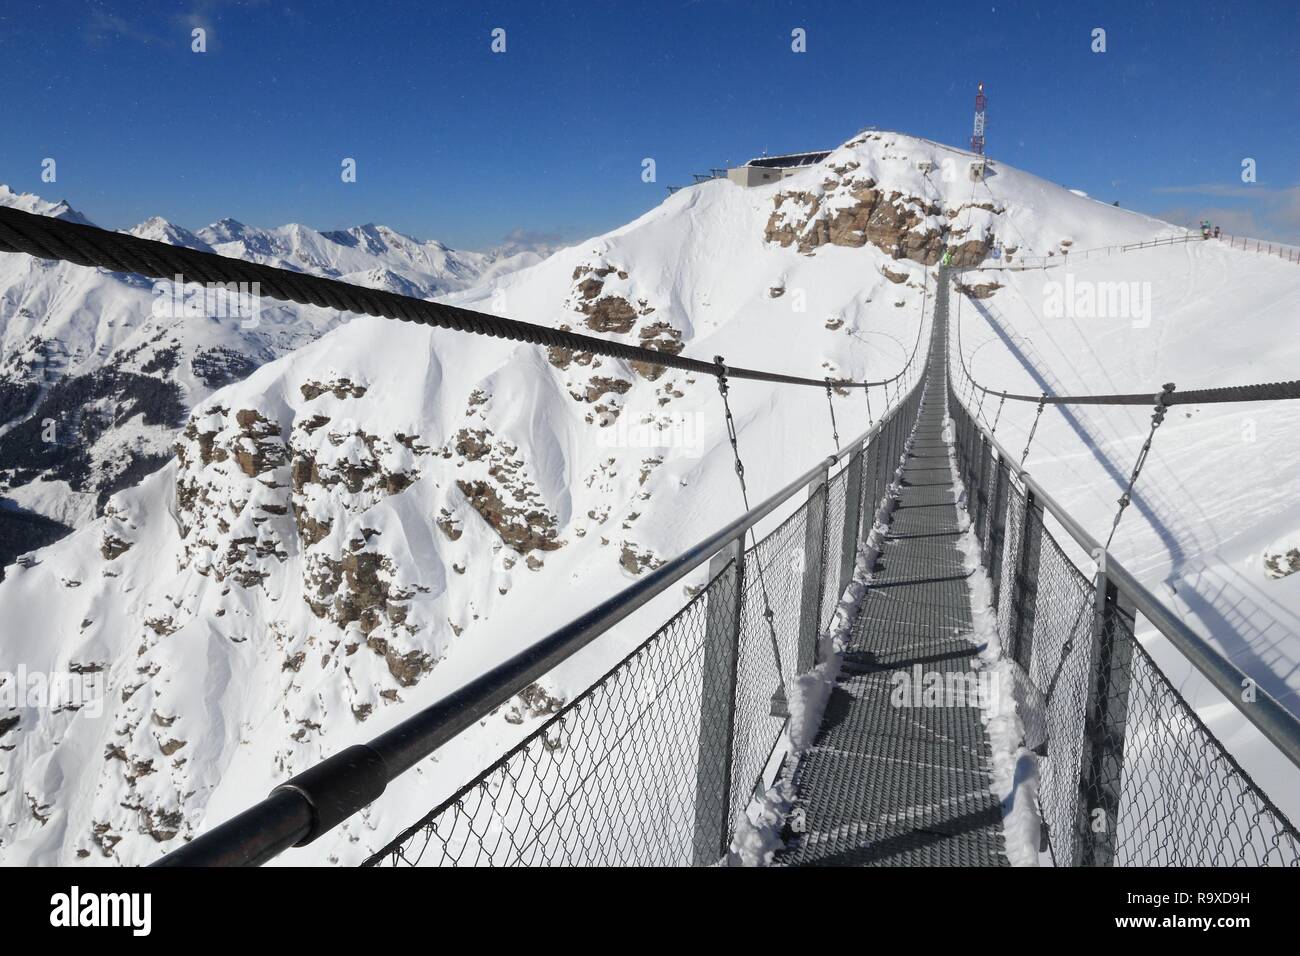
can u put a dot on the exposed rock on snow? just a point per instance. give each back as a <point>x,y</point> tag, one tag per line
<point>981,290</point>
<point>850,207</point>
<point>1278,564</point>
<point>89,359</point>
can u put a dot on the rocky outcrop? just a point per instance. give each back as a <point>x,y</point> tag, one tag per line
<point>359,587</point>
<point>532,702</point>
<point>607,297</point>
<point>339,386</point>
<point>661,337</point>
<point>635,559</point>
<point>230,464</point>
<point>599,385</point>
<point>606,312</point>
<point>523,524</point>
<point>980,290</point>
<point>1279,564</point>
<point>496,483</point>
<point>852,209</point>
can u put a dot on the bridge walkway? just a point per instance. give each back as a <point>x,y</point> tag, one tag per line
<point>887,785</point>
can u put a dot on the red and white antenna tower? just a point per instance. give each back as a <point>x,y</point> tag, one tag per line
<point>977,140</point>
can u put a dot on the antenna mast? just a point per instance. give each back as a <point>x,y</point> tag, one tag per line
<point>977,140</point>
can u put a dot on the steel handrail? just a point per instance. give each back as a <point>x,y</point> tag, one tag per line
<point>310,804</point>
<point>1278,725</point>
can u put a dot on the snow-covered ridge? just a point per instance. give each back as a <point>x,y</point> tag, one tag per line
<point>30,202</point>
<point>94,384</point>
<point>367,520</point>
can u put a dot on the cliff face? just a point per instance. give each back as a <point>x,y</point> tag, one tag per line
<point>919,221</point>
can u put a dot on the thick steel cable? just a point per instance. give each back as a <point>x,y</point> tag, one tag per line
<point>48,238</point>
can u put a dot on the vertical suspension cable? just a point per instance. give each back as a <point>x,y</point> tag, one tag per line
<point>830,402</point>
<point>1157,416</point>
<point>1028,441</point>
<point>870,421</point>
<point>744,497</point>
<point>998,416</point>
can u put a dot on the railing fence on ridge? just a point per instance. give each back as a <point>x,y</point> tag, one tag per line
<point>1262,246</point>
<point>1015,262</point>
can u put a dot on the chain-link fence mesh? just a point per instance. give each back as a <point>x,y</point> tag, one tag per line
<point>656,762</point>
<point>1130,775</point>
<point>762,674</point>
<point>580,789</point>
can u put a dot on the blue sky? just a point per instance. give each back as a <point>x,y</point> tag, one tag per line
<point>547,139</point>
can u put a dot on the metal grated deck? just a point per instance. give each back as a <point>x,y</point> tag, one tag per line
<point>904,786</point>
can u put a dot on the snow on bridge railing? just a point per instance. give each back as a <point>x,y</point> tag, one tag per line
<point>656,763</point>
<point>653,764</point>
<point>1130,775</point>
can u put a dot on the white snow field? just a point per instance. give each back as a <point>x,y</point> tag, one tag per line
<point>372,519</point>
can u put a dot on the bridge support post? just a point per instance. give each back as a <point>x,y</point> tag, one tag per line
<point>1024,584</point>
<point>970,475</point>
<point>997,529</point>
<point>852,516</point>
<point>980,514</point>
<point>891,450</point>
<point>961,443</point>
<point>1106,712</point>
<point>815,567</point>
<point>718,704</point>
<point>870,487</point>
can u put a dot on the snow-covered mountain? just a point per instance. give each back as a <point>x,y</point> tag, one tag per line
<point>364,523</point>
<point>93,385</point>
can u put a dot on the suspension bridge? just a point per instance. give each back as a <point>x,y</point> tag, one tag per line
<point>675,754</point>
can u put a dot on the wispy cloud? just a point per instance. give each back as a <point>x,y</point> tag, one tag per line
<point>532,237</point>
<point>104,27</point>
<point>1232,190</point>
<point>175,30</point>
<point>1262,212</point>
